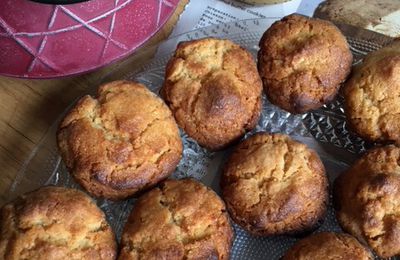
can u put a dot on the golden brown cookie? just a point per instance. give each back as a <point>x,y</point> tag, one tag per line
<point>302,62</point>
<point>367,200</point>
<point>180,219</point>
<point>121,142</point>
<point>274,185</point>
<point>55,223</point>
<point>328,246</point>
<point>372,96</point>
<point>214,91</point>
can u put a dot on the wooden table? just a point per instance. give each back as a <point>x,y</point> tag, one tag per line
<point>29,107</point>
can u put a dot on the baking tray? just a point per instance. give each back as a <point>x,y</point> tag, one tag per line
<point>324,130</point>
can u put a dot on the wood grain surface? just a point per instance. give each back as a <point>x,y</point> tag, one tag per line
<point>29,107</point>
<point>380,16</point>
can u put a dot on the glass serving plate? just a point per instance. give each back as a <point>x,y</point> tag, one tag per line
<point>324,130</point>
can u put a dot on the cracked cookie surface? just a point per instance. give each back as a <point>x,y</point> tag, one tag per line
<point>328,246</point>
<point>55,223</point>
<point>302,62</point>
<point>124,141</point>
<point>274,185</point>
<point>372,96</point>
<point>180,219</point>
<point>367,200</point>
<point>213,88</point>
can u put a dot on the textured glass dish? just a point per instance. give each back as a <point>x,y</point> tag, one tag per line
<point>324,130</point>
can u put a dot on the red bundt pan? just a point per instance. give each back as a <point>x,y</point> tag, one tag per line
<point>45,41</point>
